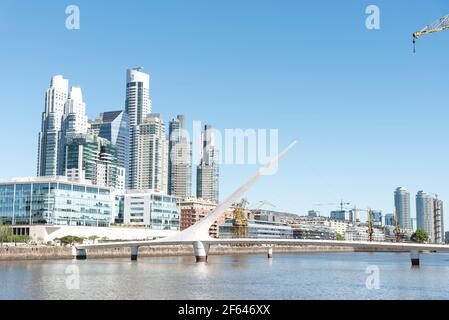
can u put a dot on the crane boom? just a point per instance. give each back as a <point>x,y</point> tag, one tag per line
<point>439,25</point>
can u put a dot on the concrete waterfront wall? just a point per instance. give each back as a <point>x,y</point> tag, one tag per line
<point>56,253</point>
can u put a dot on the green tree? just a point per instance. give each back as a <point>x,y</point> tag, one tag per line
<point>340,237</point>
<point>5,233</point>
<point>70,239</point>
<point>420,236</point>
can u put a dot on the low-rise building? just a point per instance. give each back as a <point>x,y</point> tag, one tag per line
<point>151,209</point>
<point>314,232</point>
<point>360,233</point>
<point>195,209</point>
<point>258,229</point>
<point>55,201</point>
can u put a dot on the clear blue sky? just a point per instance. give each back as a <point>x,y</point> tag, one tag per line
<point>370,115</point>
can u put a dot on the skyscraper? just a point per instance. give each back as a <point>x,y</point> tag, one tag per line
<point>114,126</point>
<point>179,159</point>
<point>74,121</point>
<point>402,205</point>
<point>438,218</point>
<point>152,155</point>
<point>48,144</point>
<point>137,106</point>
<point>207,181</point>
<point>425,213</point>
<point>89,157</point>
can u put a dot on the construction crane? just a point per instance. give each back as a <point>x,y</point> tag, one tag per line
<point>341,204</point>
<point>240,222</point>
<point>397,229</point>
<point>439,25</point>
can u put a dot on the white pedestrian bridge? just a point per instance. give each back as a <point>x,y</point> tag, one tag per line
<point>198,234</point>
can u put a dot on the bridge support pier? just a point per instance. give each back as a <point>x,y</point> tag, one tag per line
<point>414,257</point>
<point>201,251</point>
<point>79,254</point>
<point>270,253</point>
<point>134,253</point>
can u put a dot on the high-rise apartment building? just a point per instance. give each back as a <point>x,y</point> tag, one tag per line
<point>425,214</point>
<point>137,106</point>
<point>438,219</point>
<point>49,136</point>
<point>151,155</point>
<point>179,159</point>
<point>402,205</point>
<point>207,182</point>
<point>89,157</point>
<point>74,121</point>
<point>114,126</point>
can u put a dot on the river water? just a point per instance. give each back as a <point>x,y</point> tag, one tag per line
<point>286,276</point>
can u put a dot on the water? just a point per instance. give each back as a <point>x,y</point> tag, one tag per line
<point>287,276</point>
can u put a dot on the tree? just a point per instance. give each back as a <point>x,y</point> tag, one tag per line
<point>70,239</point>
<point>340,237</point>
<point>420,236</point>
<point>5,233</point>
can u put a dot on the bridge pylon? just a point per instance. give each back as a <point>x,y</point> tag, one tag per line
<point>201,250</point>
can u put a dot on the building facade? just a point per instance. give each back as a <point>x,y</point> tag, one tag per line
<point>89,157</point>
<point>193,210</point>
<point>314,232</point>
<point>389,219</point>
<point>48,142</point>
<point>258,229</point>
<point>402,205</point>
<point>438,218</point>
<point>151,209</point>
<point>207,174</point>
<point>152,155</point>
<point>114,126</point>
<point>138,107</point>
<point>425,214</point>
<point>55,201</point>
<point>179,159</point>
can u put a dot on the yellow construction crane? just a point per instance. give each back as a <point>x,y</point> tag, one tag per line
<point>240,222</point>
<point>439,25</point>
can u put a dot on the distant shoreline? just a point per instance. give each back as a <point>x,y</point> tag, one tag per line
<point>64,253</point>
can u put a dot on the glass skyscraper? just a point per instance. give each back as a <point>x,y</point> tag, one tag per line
<point>207,180</point>
<point>402,205</point>
<point>179,159</point>
<point>137,106</point>
<point>114,126</point>
<point>49,136</point>
<point>425,214</point>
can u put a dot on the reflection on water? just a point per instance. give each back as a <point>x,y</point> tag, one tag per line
<point>286,276</point>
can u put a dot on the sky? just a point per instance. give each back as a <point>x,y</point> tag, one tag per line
<point>369,114</point>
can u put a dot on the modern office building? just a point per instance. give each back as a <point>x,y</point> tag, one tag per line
<point>389,219</point>
<point>193,210</point>
<point>314,232</point>
<point>179,159</point>
<point>438,219</point>
<point>48,144</point>
<point>359,233</point>
<point>402,205</point>
<point>258,229</point>
<point>152,155</point>
<point>89,157</point>
<point>313,213</point>
<point>446,237</point>
<point>207,180</point>
<point>55,201</point>
<point>376,217</point>
<point>114,126</point>
<point>425,214</point>
<point>138,107</point>
<point>341,215</point>
<point>151,209</point>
